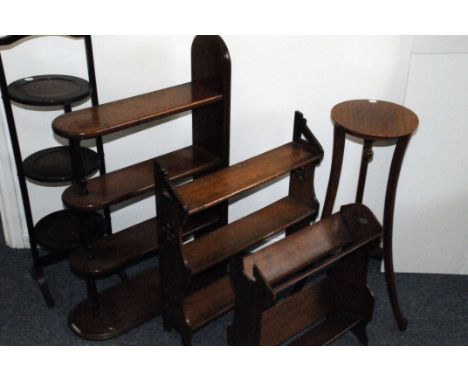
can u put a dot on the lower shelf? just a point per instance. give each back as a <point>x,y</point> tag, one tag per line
<point>121,249</point>
<point>122,307</point>
<point>328,330</point>
<point>61,231</point>
<point>54,164</point>
<point>208,303</point>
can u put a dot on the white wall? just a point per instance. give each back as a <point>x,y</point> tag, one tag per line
<point>272,77</point>
<point>431,225</point>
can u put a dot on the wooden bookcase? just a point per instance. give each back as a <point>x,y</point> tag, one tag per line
<point>120,308</point>
<point>334,252</point>
<point>194,281</point>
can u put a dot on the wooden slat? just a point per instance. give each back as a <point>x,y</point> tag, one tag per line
<point>226,183</point>
<point>327,331</point>
<point>123,307</point>
<point>314,248</point>
<point>138,179</point>
<point>296,313</point>
<point>219,245</point>
<point>295,252</point>
<point>208,303</point>
<point>118,115</point>
<point>123,248</point>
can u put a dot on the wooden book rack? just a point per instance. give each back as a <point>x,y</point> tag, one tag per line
<point>336,301</point>
<point>194,281</point>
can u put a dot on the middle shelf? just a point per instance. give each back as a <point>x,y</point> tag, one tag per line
<point>247,175</point>
<point>138,179</point>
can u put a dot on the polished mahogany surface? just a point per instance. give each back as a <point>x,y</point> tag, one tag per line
<point>374,119</point>
<point>118,115</point>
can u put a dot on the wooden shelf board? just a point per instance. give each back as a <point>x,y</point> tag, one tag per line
<point>118,115</point>
<point>219,245</point>
<point>227,183</point>
<point>208,303</point>
<point>138,179</point>
<point>123,248</point>
<point>334,326</point>
<point>312,249</point>
<point>62,231</point>
<point>295,252</point>
<point>123,307</point>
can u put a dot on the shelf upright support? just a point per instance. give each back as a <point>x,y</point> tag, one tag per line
<point>211,66</point>
<point>301,181</point>
<point>95,102</point>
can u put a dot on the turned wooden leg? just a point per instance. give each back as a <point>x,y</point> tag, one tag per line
<point>93,296</point>
<point>335,171</point>
<point>366,157</point>
<point>38,275</point>
<point>395,168</point>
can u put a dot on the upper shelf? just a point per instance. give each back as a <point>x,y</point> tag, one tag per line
<point>49,90</point>
<point>118,115</point>
<point>226,183</point>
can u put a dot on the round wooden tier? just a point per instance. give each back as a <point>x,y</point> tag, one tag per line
<point>54,164</point>
<point>374,119</point>
<point>62,231</point>
<point>49,90</point>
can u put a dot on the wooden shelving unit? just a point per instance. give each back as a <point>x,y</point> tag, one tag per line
<point>208,97</point>
<point>187,307</point>
<point>61,231</point>
<point>321,310</point>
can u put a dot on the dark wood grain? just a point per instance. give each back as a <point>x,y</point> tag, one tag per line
<point>227,183</point>
<point>284,258</point>
<point>121,249</point>
<point>334,326</point>
<point>374,120</point>
<point>339,244</point>
<point>54,164</point>
<point>49,90</point>
<point>211,65</point>
<point>184,264</point>
<point>63,230</point>
<point>292,315</point>
<point>122,308</point>
<point>208,303</point>
<point>118,115</point>
<point>219,245</point>
<point>138,179</point>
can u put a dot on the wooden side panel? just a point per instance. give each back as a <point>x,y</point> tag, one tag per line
<point>211,65</point>
<point>296,313</point>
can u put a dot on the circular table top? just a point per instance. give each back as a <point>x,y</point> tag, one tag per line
<point>374,119</point>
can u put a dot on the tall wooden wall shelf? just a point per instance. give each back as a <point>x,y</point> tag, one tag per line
<point>329,306</point>
<point>60,232</point>
<point>189,303</point>
<point>137,299</point>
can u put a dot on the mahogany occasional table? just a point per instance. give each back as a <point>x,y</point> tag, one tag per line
<point>372,121</point>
